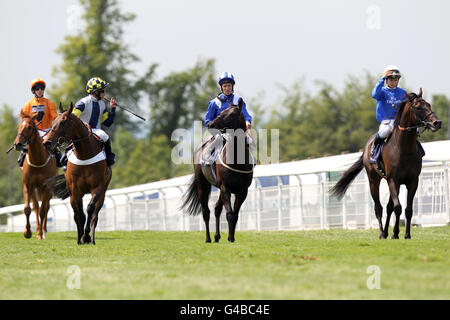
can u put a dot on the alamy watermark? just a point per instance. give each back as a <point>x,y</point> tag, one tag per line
<point>373,21</point>
<point>189,140</point>
<point>374,280</point>
<point>74,280</point>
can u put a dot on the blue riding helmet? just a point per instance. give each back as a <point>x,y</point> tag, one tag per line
<point>226,77</point>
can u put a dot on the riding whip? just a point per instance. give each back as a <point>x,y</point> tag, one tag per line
<point>9,149</point>
<point>124,108</point>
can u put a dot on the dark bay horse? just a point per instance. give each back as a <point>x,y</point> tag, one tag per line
<point>401,160</point>
<point>82,178</point>
<point>234,172</point>
<point>37,167</point>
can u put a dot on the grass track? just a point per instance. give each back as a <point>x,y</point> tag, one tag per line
<point>329,264</point>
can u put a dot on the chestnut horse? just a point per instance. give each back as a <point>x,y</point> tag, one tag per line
<point>37,167</point>
<point>234,172</point>
<point>82,178</point>
<point>401,161</point>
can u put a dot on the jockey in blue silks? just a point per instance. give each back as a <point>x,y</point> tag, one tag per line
<point>222,102</point>
<point>388,98</point>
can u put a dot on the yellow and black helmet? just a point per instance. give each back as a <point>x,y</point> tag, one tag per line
<point>95,84</point>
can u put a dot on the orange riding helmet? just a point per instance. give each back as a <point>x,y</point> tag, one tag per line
<point>36,81</point>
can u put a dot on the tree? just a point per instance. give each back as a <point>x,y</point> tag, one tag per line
<point>10,174</point>
<point>99,50</point>
<point>180,98</point>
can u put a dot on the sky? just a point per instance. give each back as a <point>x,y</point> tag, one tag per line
<point>264,43</point>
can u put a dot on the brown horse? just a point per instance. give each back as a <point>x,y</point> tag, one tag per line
<point>234,172</point>
<point>79,179</point>
<point>37,167</point>
<point>400,159</point>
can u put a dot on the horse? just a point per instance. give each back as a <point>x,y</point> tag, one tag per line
<point>83,177</point>
<point>231,175</point>
<point>401,162</point>
<point>37,167</point>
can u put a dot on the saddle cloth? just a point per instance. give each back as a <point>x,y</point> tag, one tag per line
<point>73,159</point>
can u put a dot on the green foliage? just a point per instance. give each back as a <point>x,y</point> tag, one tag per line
<point>10,174</point>
<point>181,97</point>
<point>99,51</point>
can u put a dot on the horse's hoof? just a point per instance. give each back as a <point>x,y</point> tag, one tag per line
<point>208,240</point>
<point>44,235</point>
<point>216,239</point>
<point>231,239</point>
<point>27,234</point>
<point>394,237</point>
<point>382,236</point>
<point>408,236</point>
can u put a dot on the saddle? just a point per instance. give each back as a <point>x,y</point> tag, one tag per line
<point>375,156</point>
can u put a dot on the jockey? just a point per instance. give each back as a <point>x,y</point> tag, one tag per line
<point>222,102</point>
<point>45,110</point>
<point>92,110</point>
<point>388,98</point>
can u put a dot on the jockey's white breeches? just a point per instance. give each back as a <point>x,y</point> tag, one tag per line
<point>101,134</point>
<point>386,127</point>
<point>43,132</point>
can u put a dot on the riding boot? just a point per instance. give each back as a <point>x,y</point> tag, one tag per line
<point>110,156</point>
<point>58,157</point>
<point>374,153</point>
<point>21,158</point>
<point>421,150</point>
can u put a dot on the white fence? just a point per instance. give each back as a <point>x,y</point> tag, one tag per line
<point>279,202</point>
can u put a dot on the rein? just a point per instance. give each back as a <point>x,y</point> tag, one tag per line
<point>233,169</point>
<point>422,124</point>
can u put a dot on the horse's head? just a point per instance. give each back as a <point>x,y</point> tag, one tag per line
<point>421,113</point>
<point>230,118</point>
<point>61,132</point>
<point>26,131</point>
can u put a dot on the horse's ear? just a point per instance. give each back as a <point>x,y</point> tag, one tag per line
<point>61,110</point>
<point>71,107</point>
<point>420,93</point>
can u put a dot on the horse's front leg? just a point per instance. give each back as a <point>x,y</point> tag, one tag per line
<point>412,188</point>
<point>100,199</point>
<point>217,211</point>
<point>394,191</point>
<point>239,200</point>
<point>375,193</point>
<point>225,195</point>
<point>27,211</point>
<point>78,215</point>
<point>43,212</point>
<point>36,210</point>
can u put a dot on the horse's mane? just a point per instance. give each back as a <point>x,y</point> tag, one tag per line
<point>409,97</point>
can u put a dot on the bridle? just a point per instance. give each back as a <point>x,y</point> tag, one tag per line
<point>28,142</point>
<point>61,142</point>
<point>422,123</point>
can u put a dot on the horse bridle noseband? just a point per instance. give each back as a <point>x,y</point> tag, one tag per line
<point>422,124</point>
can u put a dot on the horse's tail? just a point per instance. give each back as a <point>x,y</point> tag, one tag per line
<point>57,186</point>
<point>344,182</point>
<point>191,200</point>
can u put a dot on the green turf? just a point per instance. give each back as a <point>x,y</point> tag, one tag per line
<point>329,264</point>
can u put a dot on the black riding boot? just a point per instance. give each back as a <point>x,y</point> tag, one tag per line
<point>21,158</point>
<point>110,156</point>
<point>375,148</point>
<point>58,159</point>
